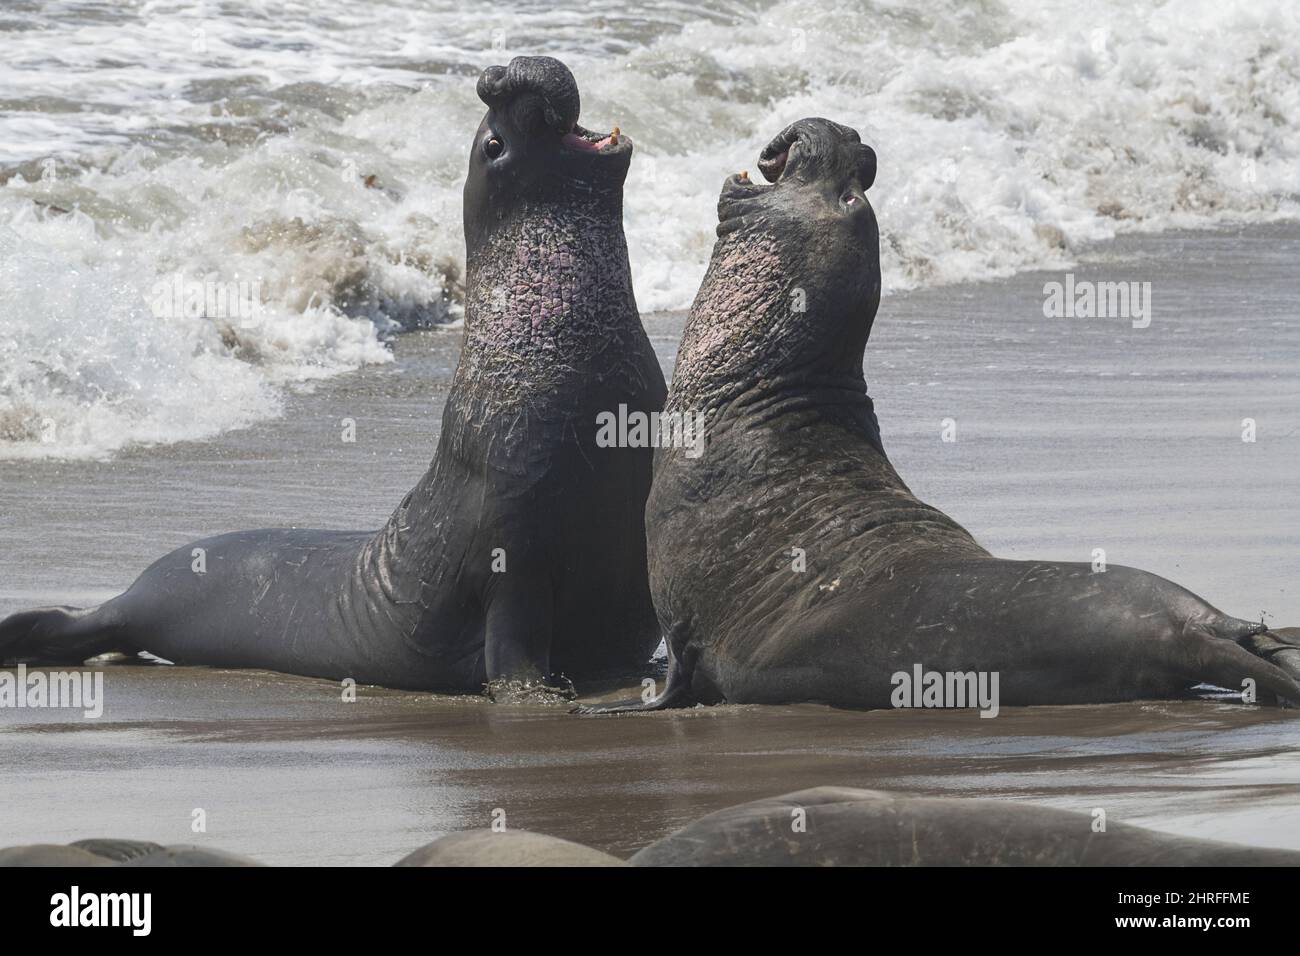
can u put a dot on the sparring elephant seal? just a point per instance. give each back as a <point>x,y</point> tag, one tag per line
<point>843,826</point>
<point>882,583</point>
<point>521,552</point>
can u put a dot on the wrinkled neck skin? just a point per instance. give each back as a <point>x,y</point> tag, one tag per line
<point>547,290</point>
<point>549,315</point>
<point>766,342</point>
<point>792,451</point>
<point>549,312</point>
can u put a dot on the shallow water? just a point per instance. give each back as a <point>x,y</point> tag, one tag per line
<point>1072,434</point>
<point>289,774</point>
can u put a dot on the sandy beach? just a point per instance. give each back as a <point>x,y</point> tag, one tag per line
<point>1072,435</point>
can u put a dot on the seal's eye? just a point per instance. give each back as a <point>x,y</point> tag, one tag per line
<point>848,199</point>
<point>493,147</point>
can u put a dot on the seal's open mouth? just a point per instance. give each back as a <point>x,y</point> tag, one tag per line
<point>586,141</point>
<point>538,93</point>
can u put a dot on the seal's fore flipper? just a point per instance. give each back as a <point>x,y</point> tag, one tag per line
<point>677,691</point>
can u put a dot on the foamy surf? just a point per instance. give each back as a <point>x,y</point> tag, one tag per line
<point>316,152</point>
<point>89,364</point>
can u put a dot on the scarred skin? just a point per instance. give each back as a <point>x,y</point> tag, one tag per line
<point>552,337</point>
<point>793,459</point>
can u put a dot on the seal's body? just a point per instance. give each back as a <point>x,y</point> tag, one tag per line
<point>844,826</point>
<point>789,562</point>
<point>520,554</point>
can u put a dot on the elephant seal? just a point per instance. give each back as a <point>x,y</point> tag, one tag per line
<point>509,848</point>
<point>789,562</point>
<point>119,851</point>
<point>50,854</point>
<point>134,853</point>
<point>521,552</point>
<point>186,855</point>
<point>844,826</point>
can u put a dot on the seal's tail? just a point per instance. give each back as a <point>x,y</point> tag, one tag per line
<point>1235,628</point>
<point>60,635</point>
<point>1280,647</point>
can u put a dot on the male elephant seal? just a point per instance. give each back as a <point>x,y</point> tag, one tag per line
<point>881,583</point>
<point>843,826</point>
<point>521,552</point>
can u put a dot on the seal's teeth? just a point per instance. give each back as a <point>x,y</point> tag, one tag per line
<point>613,137</point>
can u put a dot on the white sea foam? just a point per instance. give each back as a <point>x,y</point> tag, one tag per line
<point>318,149</point>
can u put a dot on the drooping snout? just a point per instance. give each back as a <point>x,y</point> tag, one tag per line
<point>814,148</point>
<point>536,90</point>
<point>815,169</point>
<point>530,151</point>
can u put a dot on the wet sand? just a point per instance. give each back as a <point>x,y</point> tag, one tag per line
<point>1072,434</point>
<point>288,773</point>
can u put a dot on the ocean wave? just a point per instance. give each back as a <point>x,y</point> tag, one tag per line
<point>315,153</point>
